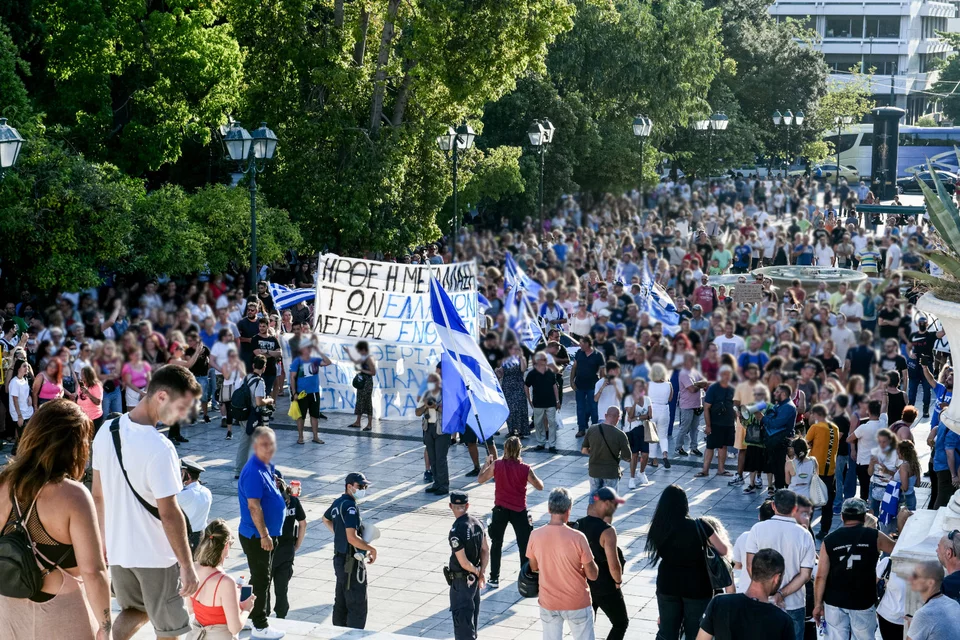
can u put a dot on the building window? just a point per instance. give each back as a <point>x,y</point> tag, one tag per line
<point>931,25</point>
<point>885,27</point>
<point>931,61</point>
<point>844,27</point>
<point>842,62</point>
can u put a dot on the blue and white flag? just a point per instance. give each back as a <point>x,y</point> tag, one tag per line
<point>470,387</point>
<point>517,280</point>
<point>890,504</point>
<point>284,297</point>
<point>482,303</point>
<point>658,304</point>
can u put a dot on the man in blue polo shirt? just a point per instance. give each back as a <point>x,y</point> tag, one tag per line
<point>262,510</point>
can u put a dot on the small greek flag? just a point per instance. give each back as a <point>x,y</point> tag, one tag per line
<point>284,297</point>
<point>517,280</point>
<point>890,503</point>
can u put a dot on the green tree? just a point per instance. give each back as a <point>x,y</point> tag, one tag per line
<point>850,98</point>
<point>948,83</point>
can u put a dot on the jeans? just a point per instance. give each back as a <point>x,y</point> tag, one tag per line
<point>596,483</point>
<point>799,617</point>
<point>863,479</point>
<point>846,484</point>
<point>546,433</point>
<point>437,446</point>
<point>850,623</point>
<point>209,386</point>
<point>677,612</point>
<point>689,429</point>
<point>615,608</point>
<point>261,567</point>
<point>909,500</point>
<point>917,381</point>
<point>520,522</point>
<point>580,621</point>
<point>826,512</point>
<point>586,409</point>
<point>112,402</point>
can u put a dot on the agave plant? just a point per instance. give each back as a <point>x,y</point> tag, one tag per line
<point>945,218</point>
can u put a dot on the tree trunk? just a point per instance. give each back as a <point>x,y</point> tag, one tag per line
<point>403,95</point>
<point>360,47</point>
<point>379,79</point>
<point>338,14</point>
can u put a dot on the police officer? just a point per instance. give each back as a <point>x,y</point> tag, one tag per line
<point>468,563</point>
<point>194,500</point>
<point>343,519</point>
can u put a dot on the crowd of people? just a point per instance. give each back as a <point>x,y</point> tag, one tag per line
<point>810,396</point>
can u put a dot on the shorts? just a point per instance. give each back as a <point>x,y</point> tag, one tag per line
<point>755,460</point>
<point>156,592</point>
<point>720,436</point>
<point>637,443</point>
<point>469,437</point>
<point>310,403</point>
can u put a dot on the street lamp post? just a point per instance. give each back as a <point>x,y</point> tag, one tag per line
<point>840,121</point>
<point>455,141</point>
<point>717,122</point>
<point>642,128</point>
<point>10,143</point>
<point>255,149</point>
<point>787,120</point>
<point>541,134</point>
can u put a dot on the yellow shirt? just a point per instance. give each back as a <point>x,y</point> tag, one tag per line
<point>818,437</point>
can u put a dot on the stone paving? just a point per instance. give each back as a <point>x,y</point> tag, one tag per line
<point>407,592</point>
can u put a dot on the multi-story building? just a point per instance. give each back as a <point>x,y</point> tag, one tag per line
<point>896,38</point>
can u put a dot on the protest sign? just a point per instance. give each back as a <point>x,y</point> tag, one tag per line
<point>388,305</point>
<point>748,293</point>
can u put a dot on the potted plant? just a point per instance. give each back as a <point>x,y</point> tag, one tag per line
<point>942,300</point>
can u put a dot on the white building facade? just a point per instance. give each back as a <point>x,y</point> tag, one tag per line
<point>898,39</point>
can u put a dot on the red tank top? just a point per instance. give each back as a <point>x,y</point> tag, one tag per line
<point>511,484</point>
<point>209,615</point>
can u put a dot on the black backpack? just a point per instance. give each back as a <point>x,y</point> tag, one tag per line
<point>242,399</point>
<point>20,573</point>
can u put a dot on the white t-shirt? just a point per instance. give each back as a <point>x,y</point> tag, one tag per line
<point>843,340</point>
<point>741,577</point>
<point>893,256</point>
<point>794,543</point>
<point>628,402</point>
<point>78,366</point>
<point>608,398</point>
<point>867,438</point>
<point>890,460</point>
<point>195,500</point>
<point>894,604</point>
<point>734,346</point>
<point>823,256</point>
<point>19,390</point>
<point>659,392</point>
<point>134,538</point>
<point>220,353</point>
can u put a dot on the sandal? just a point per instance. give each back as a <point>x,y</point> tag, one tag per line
<point>724,474</point>
<point>300,442</point>
<point>700,474</point>
<point>367,428</point>
<point>317,441</point>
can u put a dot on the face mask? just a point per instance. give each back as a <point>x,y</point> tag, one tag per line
<point>431,386</point>
<point>360,494</point>
<point>885,449</point>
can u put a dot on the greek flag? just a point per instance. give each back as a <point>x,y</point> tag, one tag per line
<point>890,503</point>
<point>470,388</point>
<point>516,280</point>
<point>659,304</point>
<point>284,297</point>
<point>482,303</point>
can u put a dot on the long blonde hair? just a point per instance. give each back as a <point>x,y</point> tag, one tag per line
<point>511,448</point>
<point>658,373</point>
<point>215,538</point>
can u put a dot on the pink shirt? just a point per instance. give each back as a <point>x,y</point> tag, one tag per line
<point>92,410</point>
<point>138,377</point>
<point>690,397</point>
<point>560,553</point>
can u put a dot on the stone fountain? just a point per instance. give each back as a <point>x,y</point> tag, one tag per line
<point>810,277</point>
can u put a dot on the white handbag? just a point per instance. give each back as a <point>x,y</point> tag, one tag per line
<point>818,491</point>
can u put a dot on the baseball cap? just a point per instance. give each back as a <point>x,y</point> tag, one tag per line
<point>854,507</point>
<point>697,307</point>
<point>606,493</point>
<point>459,497</point>
<point>357,478</point>
<point>621,326</point>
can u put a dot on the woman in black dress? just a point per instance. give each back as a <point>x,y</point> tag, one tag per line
<point>511,372</point>
<point>366,370</point>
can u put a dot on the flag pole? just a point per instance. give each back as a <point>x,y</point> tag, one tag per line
<point>434,282</point>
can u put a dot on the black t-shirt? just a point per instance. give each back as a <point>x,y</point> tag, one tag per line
<point>494,356</point>
<point>720,399</point>
<point>861,361</point>
<point>267,343</point>
<point>201,367</point>
<point>922,343</point>
<point>587,369</point>
<point>843,424</point>
<point>267,301</point>
<point>682,571</point>
<point>344,514</point>
<point>247,329</point>
<point>542,388</point>
<point>831,363</point>
<point>736,616</point>
<point>851,583</point>
<point>608,349</point>
<point>593,528</point>
<point>889,314</point>
<point>294,515</point>
<point>897,363</point>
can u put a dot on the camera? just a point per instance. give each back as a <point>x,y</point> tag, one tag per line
<point>267,410</point>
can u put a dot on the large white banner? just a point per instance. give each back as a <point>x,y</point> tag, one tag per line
<point>388,305</point>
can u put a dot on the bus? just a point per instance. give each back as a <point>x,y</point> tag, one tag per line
<point>917,146</point>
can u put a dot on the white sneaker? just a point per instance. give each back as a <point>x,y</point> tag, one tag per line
<point>633,483</point>
<point>247,626</point>
<point>643,479</point>
<point>268,633</point>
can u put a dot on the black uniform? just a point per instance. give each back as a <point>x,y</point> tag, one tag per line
<point>283,555</point>
<point>350,599</point>
<point>603,591</point>
<point>466,534</point>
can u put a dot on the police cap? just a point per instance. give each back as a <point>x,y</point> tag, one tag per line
<point>458,497</point>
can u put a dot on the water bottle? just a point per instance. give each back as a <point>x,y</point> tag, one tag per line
<point>246,590</point>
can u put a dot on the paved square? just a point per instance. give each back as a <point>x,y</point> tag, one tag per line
<point>407,592</point>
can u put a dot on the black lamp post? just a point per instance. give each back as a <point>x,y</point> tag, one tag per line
<point>642,128</point>
<point>717,122</point>
<point>455,141</point>
<point>787,120</point>
<point>10,143</point>
<point>255,149</point>
<point>541,134</point>
<point>840,121</point>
